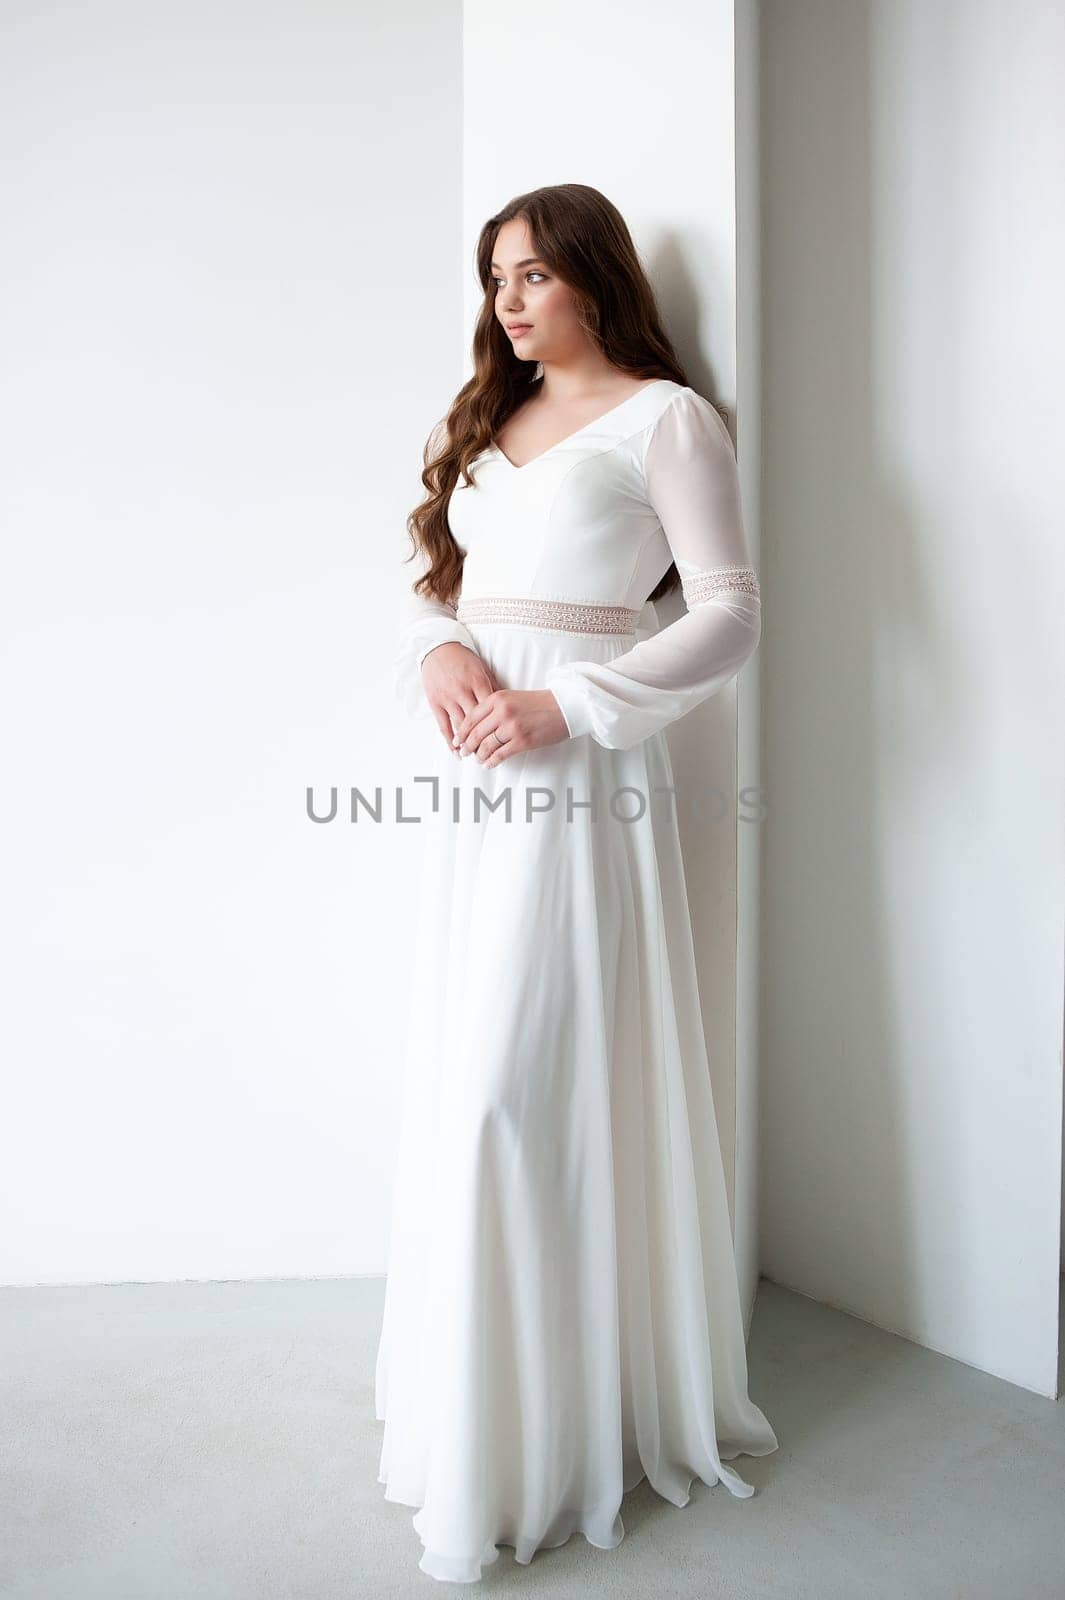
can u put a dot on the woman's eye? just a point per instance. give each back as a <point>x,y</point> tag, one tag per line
<point>500,281</point>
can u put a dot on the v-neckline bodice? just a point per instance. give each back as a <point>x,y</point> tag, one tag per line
<point>576,434</point>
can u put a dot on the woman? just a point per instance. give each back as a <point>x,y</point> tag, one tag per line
<point>562,1315</point>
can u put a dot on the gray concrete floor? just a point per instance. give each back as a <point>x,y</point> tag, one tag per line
<point>217,1442</point>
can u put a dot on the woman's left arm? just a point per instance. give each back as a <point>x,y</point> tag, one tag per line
<point>693,484</point>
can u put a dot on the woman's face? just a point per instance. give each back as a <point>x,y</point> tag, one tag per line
<point>536,308</point>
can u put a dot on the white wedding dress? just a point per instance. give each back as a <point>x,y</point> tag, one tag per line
<point>562,1315</point>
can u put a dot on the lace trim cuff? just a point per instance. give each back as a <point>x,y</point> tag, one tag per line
<point>718,580</point>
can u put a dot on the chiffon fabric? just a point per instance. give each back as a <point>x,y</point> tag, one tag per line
<point>562,1314</point>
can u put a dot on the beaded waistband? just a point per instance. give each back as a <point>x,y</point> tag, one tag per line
<point>569,616</point>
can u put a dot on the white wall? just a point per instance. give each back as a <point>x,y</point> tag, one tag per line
<point>914,907</point>
<point>232,268</point>
<point>643,108</point>
<point>236,258</point>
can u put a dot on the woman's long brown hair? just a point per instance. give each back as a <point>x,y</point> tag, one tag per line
<point>585,241</point>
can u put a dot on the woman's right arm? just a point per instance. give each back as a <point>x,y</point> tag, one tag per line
<point>432,674</point>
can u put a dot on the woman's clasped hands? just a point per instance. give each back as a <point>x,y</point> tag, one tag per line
<point>477,717</point>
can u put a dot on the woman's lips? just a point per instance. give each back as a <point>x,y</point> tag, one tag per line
<point>518,330</point>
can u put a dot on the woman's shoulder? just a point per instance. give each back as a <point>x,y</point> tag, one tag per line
<point>679,415</point>
<point>682,398</point>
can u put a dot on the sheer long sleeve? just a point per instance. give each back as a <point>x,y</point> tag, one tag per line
<point>692,483</point>
<point>423,624</point>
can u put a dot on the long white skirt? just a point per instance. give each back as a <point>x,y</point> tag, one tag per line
<point>561,1315</point>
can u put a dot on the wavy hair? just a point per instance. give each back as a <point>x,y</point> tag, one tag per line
<point>585,241</point>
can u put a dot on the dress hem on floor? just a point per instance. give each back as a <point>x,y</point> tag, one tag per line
<point>469,1569</point>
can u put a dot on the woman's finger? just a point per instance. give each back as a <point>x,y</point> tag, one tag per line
<point>444,723</point>
<point>474,719</point>
<point>497,750</point>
